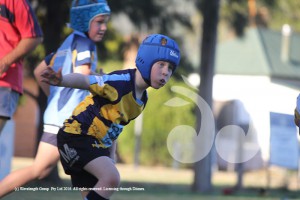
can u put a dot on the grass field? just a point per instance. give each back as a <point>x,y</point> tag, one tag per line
<point>149,183</point>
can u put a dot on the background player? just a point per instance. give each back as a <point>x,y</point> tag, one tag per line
<point>77,54</point>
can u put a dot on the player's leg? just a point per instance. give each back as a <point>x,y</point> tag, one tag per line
<point>15,179</point>
<point>47,155</point>
<point>80,154</point>
<point>44,162</point>
<point>46,158</point>
<point>107,174</point>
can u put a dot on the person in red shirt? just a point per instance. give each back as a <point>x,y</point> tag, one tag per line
<point>20,33</point>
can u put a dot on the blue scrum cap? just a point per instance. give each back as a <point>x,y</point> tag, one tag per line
<point>84,11</point>
<point>156,47</point>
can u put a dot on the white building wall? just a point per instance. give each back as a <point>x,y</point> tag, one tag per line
<point>260,97</point>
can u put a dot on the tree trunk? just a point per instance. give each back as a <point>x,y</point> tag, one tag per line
<point>210,11</point>
<point>52,29</point>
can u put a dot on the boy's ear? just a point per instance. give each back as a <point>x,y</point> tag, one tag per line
<point>296,118</point>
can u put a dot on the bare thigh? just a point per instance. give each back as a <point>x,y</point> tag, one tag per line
<point>46,158</point>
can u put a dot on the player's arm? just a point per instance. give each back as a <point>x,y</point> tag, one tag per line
<point>38,71</point>
<point>98,74</point>
<point>25,46</point>
<point>86,69</point>
<point>73,80</point>
<point>83,69</point>
<point>37,74</point>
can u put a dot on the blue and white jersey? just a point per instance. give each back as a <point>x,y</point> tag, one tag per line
<point>76,50</point>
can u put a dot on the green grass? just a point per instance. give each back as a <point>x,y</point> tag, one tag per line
<point>157,192</point>
<point>159,183</point>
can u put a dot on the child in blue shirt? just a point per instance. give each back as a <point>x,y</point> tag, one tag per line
<point>77,54</point>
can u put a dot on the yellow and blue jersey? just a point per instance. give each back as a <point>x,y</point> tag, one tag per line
<point>111,105</point>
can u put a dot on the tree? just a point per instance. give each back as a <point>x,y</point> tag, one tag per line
<point>52,22</point>
<point>210,12</point>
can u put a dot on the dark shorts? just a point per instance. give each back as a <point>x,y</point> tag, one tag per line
<point>50,134</point>
<point>49,138</point>
<point>75,152</point>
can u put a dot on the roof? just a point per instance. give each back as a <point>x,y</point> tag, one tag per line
<point>259,53</point>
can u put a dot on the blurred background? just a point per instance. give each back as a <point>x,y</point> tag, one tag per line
<point>242,57</point>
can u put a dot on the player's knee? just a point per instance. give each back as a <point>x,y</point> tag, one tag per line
<point>40,173</point>
<point>113,180</point>
<point>44,174</point>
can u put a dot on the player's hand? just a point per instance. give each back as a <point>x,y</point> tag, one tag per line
<point>51,77</point>
<point>101,72</point>
<point>297,118</point>
<point>3,67</point>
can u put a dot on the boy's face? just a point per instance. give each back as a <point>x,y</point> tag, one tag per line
<point>98,27</point>
<point>160,73</point>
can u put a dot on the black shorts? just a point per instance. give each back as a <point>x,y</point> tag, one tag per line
<point>49,138</point>
<point>75,152</point>
<point>50,134</point>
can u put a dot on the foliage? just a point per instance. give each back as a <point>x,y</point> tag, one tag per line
<point>270,13</point>
<point>158,121</point>
<point>160,15</point>
<point>283,12</point>
<point>109,66</point>
<point>138,11</point>
<point>235,12</point>
<point>111,46</point>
